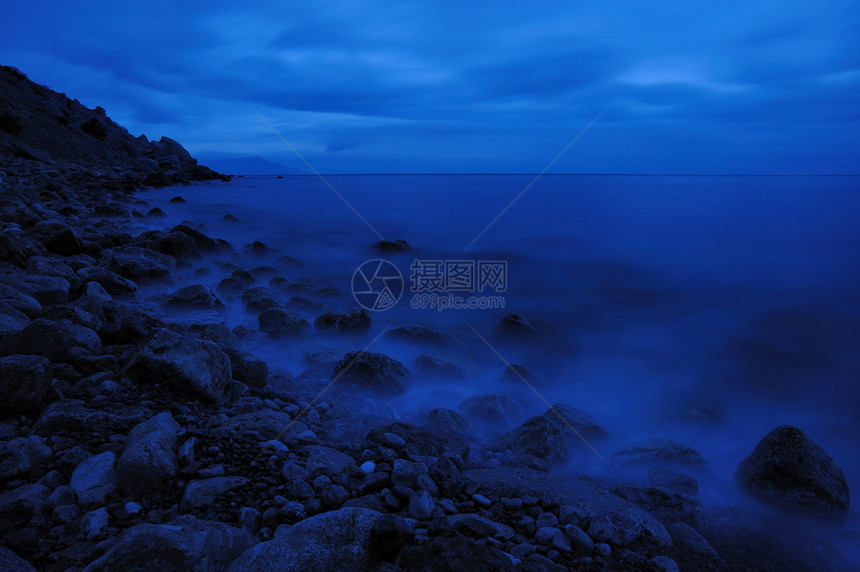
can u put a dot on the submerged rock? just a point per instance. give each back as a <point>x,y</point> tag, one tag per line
<point>515,327</point>
<point>658,453</point>
<point>194,297</point>
<point>554,435</point>
<point>790,472</point>
<point>353,322</point>
<point>391,246</point>
<point>494,413</point>
<point>373,371</point>
<point>434,367</point>
<point>280,323</point>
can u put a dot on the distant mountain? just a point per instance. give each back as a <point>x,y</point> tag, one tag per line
<point>249,165</point>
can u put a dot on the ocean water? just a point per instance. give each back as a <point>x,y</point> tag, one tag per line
<point>657,294</point>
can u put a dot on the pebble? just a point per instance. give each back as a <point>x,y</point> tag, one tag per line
<point>546,519</point>
<point>603,549</point>
<point>393,441</point>
<point>513,504</point>
<point>481,500</point>
<point>421,506</point>
<point>65,514</point>
<point>367,467</point>
<point>94,522</point>
<point>307,437</point>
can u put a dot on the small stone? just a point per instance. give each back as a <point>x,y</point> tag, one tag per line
<point>546,535</point>
<point>421,506</point>
<point>546,519</point>
<point>65,514</point>
<point>393,441</point>
<point>94,522</point>
<point>603,549</point>
<point>367,467</point>
<point>424,482</point>
<point>665,564</point>
<point>513,504</point>
<point>250,519</point>
<point>132,508</point>
<point>307,437</point>
<point>579,540</point>
<point>481,500</point>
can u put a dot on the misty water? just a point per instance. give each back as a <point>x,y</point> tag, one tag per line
<point>658,295</point>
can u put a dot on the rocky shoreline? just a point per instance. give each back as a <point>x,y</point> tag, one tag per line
<point>138,432</point>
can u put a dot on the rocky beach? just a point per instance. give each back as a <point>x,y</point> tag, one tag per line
<point>143,429</point>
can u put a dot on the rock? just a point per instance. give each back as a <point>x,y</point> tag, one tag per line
<point>434,367</point>
<point>266,423</point>
<point>494,413</point>
<point>280,323</point>
<point>25,381</point>
<point>194,297</point>
<point>689,541</point>
<point>183,363</point>
<point>176,199</point>
<point>176,244</point>
<point>789,471</point>
<point>113,283</point>
<point>478,526</point>
<point>422,335</point>
<point>455,553</point>
<point>46,290</point>
<point>142,269</point>
<point>94,480</point>
<point>658,452</point>
<point>201,241</point>
<point>11,562</point>
<point>448,424</point>
<point>406,473</point>
<point>673,481</point>
<point>345,539</point>
<point>22,507</point>
<point>20,301</point>
<point>93,523</point>
<point>666,505</point>
<point>20,455</point>
<point>517,374</point>
<point>11,320</point>
<point>580,542</point>
<point>515,327</point>
<point>259,299</point>
<point>391,246</point>
<point>183,544</point>
<point>372,371</point>
<point>608,518</point>
<point>202,493</point>
<point>73,415</point>
<point>63,241</point>
<point>148,462</point>
<point>554,435</point>
<point>326,460</point>
<point>665,564</point>
<point>247,368</point>
<point>352,322</point>
<point>60,341</point>
<point>421,506</point>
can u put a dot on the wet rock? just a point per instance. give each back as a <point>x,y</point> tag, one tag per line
<point>176,199</point>
<point>140,269</point>
<point>372,371</point>
<point>20,301</point>
<point>11,562</point>
<point>46,290</point>
<point>60,341</point>
<point>175,244</point>
<point>93,523</point>
<point>183,544</point>
<point>391,246</point>
<point>63,241</point>
<point>266,423</point>
<point>454,553</point>
<point>434,367</point>
<point>478,526</point>
<point>666,505</point>
<point>422,335</point>
<point>345,539</point>
<point>515,327</point>
<point>202,493</point>
<point>148,462</point>
<point>658,452</point>
<point>73,415</point>
<point>421,506</point>
<point>673,481</point>
<point>494,413</point>
<point>203,242</point>
<point>113,283</point>
<point>789,471</point>
<point>258,248</point>
<point>23,506</point>
<point>326,460</point>
<point>687,540</point>
<point>352,322</point>
<point>183,363</point>
<point>94,480</point>
<point>449,424</point>
<point>554,435</point>
<point>280,323</point>
<point>20,455</point>
<point>25,381</point>
<point>11,320</point>
<point>247,368</point>
<point>194,297</point>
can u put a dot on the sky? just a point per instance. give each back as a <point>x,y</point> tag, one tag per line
<point>438,86</point>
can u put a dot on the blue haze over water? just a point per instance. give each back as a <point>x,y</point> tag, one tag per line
<point>659,293</point>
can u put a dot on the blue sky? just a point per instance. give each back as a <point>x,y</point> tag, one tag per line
<point>439,86</point>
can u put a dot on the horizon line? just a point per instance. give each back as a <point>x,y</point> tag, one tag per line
<point>419,173</point>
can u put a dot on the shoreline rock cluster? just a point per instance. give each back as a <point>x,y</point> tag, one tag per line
<point>138,432</point>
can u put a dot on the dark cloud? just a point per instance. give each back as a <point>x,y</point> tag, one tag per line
<point>444,85</point>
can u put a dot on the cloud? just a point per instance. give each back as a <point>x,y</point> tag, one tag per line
<point>502,85</point>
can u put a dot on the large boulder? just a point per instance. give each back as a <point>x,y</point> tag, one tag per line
<point>493,413</point>
<point>789,471</point>
<point>194,297</point>
<point>113,283</point>
<point>353,322</point>
<point>141,265</point>
<point>656,452</point>
<point>344,539</point>
<point>185,544</point>
<point>148,462</point>
<point>24,383</point>
<point>372,371</point>
<point>59,341</point>
<point>183,363</point>
<point>554,435</point>
<point>74,416</point>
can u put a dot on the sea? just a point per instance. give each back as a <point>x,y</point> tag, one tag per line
<point>729,300</point>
